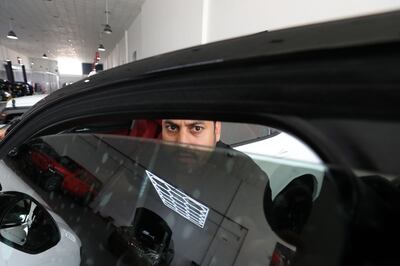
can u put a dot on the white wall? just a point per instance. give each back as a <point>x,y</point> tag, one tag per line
<point>9,54</point>
<point>163,26</point>
<point>121,52</point>
<point>134,38</point>
<point>170,25</point>
<point>44,65</point>
<point>231,18</point>
<point>115,56</point>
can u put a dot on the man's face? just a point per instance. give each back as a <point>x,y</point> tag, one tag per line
<point>192,132</point>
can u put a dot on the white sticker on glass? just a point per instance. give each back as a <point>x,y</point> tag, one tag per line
<point>179,202</point>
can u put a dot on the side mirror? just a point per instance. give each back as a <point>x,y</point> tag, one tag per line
<point>25,224</point>
<point>16,219</point>
<point>15,233</point>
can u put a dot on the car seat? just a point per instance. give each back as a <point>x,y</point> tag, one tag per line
<point>146,128</point>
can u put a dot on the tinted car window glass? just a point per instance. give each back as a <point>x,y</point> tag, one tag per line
<point>147,201</point>
<point>236,134</point>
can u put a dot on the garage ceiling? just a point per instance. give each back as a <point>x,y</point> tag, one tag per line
<point>64,28</point>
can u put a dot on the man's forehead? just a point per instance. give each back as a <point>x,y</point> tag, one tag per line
<point>186,122</point>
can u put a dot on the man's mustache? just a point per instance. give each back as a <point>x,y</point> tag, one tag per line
<point>191,155</point>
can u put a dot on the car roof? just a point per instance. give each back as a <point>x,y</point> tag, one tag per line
<point>361,34</point>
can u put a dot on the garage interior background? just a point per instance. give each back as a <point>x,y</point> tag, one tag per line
<point>159,26</point>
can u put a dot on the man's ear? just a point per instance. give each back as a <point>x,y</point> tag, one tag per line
<point>217,130</point>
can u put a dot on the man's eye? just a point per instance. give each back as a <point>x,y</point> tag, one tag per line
<point>172,128</point>
<point>197,128</point>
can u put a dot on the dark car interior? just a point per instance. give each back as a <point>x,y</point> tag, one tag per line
<point>147,242</point>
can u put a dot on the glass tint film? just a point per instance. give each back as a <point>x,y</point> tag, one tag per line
<point>121,200</point>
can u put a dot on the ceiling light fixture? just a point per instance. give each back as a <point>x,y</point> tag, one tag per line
<point>101,48</point>
<point>11,34</point>
<point>107,27</point>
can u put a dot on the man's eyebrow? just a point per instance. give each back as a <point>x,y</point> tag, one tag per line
<point>195,123</point>
<point>169,122</point>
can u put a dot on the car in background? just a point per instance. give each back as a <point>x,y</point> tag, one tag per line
<point>53,172</point>
<point>19,89</point>
<point>5,96</point>
<point>5,90</point>
<point>18,106</point>
<point>12,90</point>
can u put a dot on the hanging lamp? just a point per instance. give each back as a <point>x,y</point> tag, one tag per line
<point>107,27</point>
<point>11,34</point>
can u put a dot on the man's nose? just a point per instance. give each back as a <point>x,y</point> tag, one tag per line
<point>183,138</point>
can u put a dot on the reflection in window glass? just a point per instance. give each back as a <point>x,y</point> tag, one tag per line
<point>27,226</point>
<point>146,202</point>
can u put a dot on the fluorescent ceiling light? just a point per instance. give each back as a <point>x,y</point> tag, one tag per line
<point>101,48</point>
<point>11,35</point>
<point>107,29</point>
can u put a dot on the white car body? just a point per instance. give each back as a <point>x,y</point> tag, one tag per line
<point>65,252</point>
<point>284,158</point>
<point>25,101</point>
<point>18,106</point>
